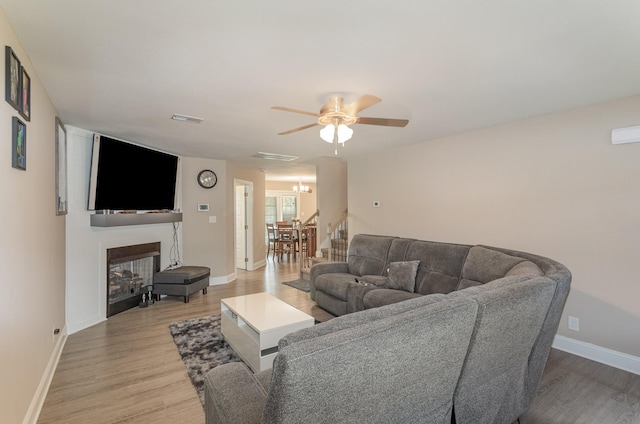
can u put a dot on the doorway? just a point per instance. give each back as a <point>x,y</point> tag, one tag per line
<point>243,224</point>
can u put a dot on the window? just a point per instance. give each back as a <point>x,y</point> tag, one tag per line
<point>289,207</point>
<point>280,205</point>
<point>270,209</point>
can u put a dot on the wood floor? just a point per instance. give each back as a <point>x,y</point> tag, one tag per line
<point>127,369</point>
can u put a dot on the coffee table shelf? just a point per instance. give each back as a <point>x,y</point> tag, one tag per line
<point>253,324</point>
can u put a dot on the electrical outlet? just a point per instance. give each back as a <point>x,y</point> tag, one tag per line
<point>574,323</point>
<point>55,332</point>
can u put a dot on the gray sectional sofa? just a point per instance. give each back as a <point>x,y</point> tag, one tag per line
<point>465,341</point>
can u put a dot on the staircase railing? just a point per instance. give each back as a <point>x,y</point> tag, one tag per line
<point>338,235</point>
<point>308,234</point>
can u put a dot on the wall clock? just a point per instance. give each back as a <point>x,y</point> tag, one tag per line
<point>207,178</point>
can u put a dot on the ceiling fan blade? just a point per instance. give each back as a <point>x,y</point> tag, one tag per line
<point>383,121</point>
<point>288,109</point>
<point>362,103</point>
<point>299,129</point>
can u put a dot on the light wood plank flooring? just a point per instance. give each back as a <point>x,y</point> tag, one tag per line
<point>127,369</point>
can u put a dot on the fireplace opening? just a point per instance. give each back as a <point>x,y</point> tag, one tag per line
<point>130,272</point>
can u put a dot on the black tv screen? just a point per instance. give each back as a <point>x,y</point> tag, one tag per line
<point>126,176</point>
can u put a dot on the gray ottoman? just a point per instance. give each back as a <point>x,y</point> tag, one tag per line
<point>182,281</point>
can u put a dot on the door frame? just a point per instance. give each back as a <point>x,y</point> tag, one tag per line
<point>248,215</point>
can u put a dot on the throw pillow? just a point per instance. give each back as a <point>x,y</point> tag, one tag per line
<point>402,275</point>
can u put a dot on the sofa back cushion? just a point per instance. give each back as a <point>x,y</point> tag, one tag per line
<point>398,249</point>
<point>359,374</point>
<point>483,265</point>
<point>493,383</point>
<point>368,254</point>
<point>440,265</point>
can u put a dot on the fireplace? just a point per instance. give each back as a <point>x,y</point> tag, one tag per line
<point>130,272</point>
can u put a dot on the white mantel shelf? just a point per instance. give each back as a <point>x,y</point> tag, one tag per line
<point>122,219</point>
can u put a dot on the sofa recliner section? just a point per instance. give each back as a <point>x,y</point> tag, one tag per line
<point>479,319</point>
<point>355,369</point>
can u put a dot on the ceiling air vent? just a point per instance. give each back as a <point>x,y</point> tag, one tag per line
<point>185,118</point>
<point>275,156</point>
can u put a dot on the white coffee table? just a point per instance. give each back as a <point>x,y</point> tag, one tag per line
<point>253,324</point>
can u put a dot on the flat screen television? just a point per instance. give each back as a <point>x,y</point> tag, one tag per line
<point>125,176</point>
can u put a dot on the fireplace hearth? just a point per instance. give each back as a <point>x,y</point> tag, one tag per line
<point>130,272</point>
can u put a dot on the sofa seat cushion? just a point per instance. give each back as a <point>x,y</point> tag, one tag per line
<point>381,297</point>
<point>335,284</point>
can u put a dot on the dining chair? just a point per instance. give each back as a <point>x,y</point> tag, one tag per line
<point>273,240</point>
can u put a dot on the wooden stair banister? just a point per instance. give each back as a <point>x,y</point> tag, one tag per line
<point>338,235</point>
<point>308,242</point>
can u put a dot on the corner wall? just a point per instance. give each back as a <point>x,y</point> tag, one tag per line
<point>205,240</point>
<point>331,180</point>
<point>553,185</point>
<point>32,253</point>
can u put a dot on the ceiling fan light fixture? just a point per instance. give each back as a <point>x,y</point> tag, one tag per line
<point>344,133</point>
<point>328,133</point>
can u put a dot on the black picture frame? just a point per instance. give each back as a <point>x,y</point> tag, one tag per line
<point>61,168</point>
<point>13,74</point>
<point>19,144</point>
<point>25,95</point>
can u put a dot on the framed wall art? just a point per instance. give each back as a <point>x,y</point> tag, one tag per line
<point>19,145</point>
<point>25,99</point>
<point>61,168</point>
<point>12,78</point>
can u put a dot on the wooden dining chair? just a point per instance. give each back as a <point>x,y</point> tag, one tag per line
<point>286,239</point>
<point>272,240</point>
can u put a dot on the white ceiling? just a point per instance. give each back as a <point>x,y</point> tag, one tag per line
<point>123,68</point>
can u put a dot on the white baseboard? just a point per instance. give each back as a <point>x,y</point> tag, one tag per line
<point>75,327</point>
<point>214,281</point>
<point>41,392</point>
<point>596,353</point>
<point>257,265</point>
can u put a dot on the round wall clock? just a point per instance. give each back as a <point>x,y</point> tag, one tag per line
<point>207,178</point>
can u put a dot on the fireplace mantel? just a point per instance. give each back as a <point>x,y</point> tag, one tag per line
<point>121,219</point>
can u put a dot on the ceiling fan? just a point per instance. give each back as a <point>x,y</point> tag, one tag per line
<point>336,118</point>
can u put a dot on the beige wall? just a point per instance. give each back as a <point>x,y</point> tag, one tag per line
<point>32,252</point>
<point>203,242</point>
<point>552,185</point>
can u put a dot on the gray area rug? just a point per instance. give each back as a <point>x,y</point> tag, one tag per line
<point>299,284</point>
<point>202,348</point>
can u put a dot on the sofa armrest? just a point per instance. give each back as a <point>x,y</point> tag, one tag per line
<point>325,268</point>
<point>233,394</point>
<point>355,295</point>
